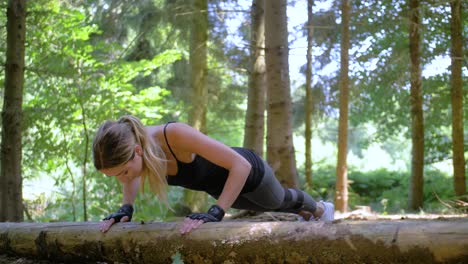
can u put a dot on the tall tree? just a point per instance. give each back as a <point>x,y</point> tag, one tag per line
<point>255,116</point>
<point>416,101</point>
<point>382,81</point>
<point>11,197</point>
<point>280,148</point>
<point>198,67</point>
<point>457,99</point>
<point>308,97</point>
<point>198,64</point>
<point>341,193</point>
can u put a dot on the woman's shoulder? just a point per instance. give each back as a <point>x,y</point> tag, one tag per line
<point>169,129</point>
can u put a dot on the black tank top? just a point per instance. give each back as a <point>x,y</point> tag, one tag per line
<point>203,175</point>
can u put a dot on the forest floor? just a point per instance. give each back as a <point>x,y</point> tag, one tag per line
<point>362,214</point>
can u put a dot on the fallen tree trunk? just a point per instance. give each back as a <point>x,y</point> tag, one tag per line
<point>243,242</point>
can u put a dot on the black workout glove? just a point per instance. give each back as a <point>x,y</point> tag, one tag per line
<point>125,210</point>
<point>214,214</point>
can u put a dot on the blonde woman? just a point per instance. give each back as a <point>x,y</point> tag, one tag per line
<point>177,154</point>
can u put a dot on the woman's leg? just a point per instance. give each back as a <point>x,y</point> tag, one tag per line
<point>271,196</point>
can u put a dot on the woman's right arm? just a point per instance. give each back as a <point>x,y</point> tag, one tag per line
<point>130,191</point>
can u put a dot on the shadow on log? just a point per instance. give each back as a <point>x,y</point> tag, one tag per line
<point>406,241</point>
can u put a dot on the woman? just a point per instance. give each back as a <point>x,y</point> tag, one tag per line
<point>177,154</point>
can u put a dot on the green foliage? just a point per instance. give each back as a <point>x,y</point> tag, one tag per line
<point>323,183</point>
<point>437,188</point>
<point>367,188</point>
<point>177,258</point>
<point>385,191</point>
<point>69,92</point>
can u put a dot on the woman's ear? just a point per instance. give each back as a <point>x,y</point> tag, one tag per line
<point>139,150</point>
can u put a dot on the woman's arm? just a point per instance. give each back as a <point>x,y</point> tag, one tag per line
<point>237,177</point>
<point>130,191</point>
<point>187,139</point>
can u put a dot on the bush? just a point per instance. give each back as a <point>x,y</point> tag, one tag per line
<point>385,191</point>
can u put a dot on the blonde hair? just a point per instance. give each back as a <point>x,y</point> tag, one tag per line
<point>114,145</point>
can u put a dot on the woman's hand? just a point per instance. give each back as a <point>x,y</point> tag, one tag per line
<point>190,224</point>
<point>124,214</point>
<point>105,225</point>
<point>195,220</point>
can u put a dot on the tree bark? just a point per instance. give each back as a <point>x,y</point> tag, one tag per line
<point>195,200</point>
<point>243,242</point>
<point>198,64</point>
<point>11,201</point>
<point>280,148</point>
<point>308,98</point>
<point>417,119</point>
<point>255,116</point>
<point>341,192</point>
<point>457,99</point>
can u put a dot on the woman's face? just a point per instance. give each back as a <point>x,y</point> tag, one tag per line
<point>127,172</point>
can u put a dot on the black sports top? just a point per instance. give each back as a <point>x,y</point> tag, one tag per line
<point>203,175</point>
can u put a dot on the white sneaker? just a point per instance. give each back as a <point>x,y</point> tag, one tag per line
<point>328,213</point>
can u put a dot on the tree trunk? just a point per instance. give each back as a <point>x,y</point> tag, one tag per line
<point>457,99</point>
<point>280,149</point>
<point>341,193</point>
<point>308,98</point>
<point>11,194</point>
<point>197,116</point>
<point>255,116</point>
<point>198,64</point>
<point>417,119</point>
<point>243,242</point>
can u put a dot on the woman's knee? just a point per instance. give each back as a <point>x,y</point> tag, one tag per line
<point>266,197</point>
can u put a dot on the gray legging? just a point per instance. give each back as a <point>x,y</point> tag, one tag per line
<point>270,195</point>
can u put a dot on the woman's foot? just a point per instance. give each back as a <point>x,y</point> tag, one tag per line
<point>328,213</point>
<point>325,212</point>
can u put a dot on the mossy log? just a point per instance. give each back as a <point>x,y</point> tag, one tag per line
<point>404,241</point>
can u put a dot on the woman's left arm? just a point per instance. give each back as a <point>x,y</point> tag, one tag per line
<point>190,140</point>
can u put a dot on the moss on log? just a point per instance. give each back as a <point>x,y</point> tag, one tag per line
<point>243,242</point>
